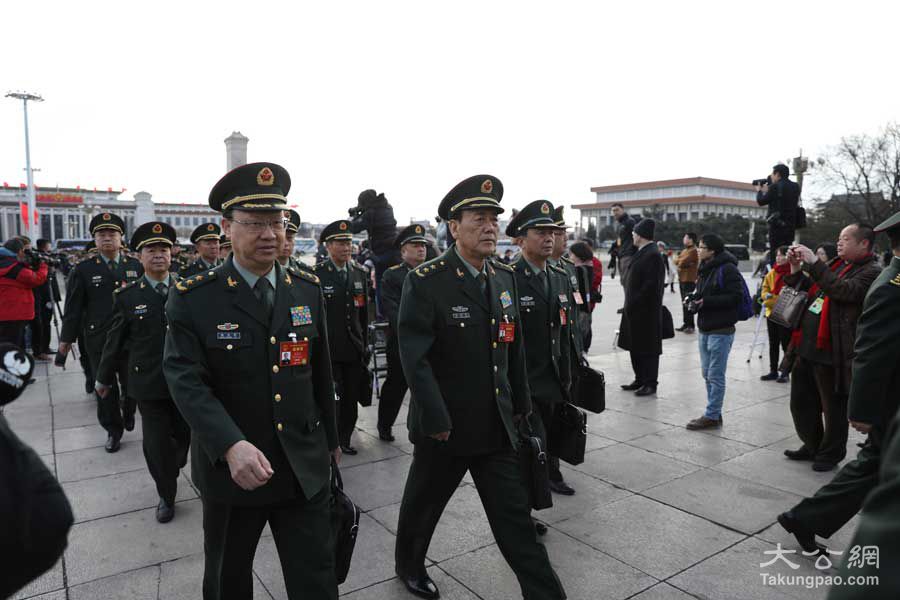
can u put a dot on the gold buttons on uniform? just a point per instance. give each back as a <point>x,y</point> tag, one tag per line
<point>272,339</point>
<point>495,368</point>
<point>229,347</point>
<point>462,324</point>
<point>497,391</point>
<point>280,427</point>
<point>493,321</point>
<point>277,397</point>
<point>495,344</point>
<point>136,369</point>
<point>274,368</point>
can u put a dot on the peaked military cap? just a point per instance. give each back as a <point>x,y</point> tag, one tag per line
<point>224,242</point>
<point>293,217</point>
<point>413,233</point>
<point>107,220</point>
<point>477,192</point>
<point>255,186</point>
<point>205,231</point>
<point>154,232</point>
<point>889,223</point>
<point>558,217</point>
<point>537,214</point>
<point>339,230</point>
<point>91,246</point>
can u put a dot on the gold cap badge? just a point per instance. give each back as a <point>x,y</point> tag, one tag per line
<point>210,227</point>
<point>545,208</point>
<point>343,226</point>
<point>107,216</point>
<point>418,229</point>
<point>157,228</point>
<point>265,177</point>
<point>487,186</point>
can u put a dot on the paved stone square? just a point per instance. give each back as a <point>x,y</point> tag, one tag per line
<point>660,512</point>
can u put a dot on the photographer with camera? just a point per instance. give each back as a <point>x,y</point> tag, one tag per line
<point>45,295</point>
<point>373,214</point>
<point>715,302</point>
<point>782,196</point>
<point>21,271</point>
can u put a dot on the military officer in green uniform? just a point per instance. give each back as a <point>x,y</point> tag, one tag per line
<point>545,309</point>
<point>411,243</point>
<point>577,303</point>
<point>873,408</point>
<point>463,352</point>
<point>205,238</point>
<point>286,253</point>
<point>139,324</point>
<point>224,248</point>
<point>88,313</point>
<point>872,403</point>
<point>345,286</point>
<point>246,360</point>
<point>178,258</point>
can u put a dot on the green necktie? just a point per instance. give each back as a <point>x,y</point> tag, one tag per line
<point>265,294</point>
<point>542,277</point>
<point>162,289</point>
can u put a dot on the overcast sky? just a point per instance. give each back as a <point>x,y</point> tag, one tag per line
<point>411,97</point>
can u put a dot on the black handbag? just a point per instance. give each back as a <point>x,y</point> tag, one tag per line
<point>668,326</point>
<point>568,434</point>
<point>789,307</point>
<point>368,387</point>
<point>590,389</point>
<point>535,470</point>
<point>344,524</point>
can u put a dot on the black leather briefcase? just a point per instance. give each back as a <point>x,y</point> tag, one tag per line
<point>568,435</point>
<point>535,470</point>
<point>344,524</point>
<point>590,389</point>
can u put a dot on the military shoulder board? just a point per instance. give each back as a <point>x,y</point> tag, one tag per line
<point>431,267</point>
<point>190,283</point>
<point>559,270</point>
<point>499,265</point>
<point>395,267</point>
<point>304,274</point>
<point>896,280</point>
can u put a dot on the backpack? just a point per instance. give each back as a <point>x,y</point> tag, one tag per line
<point>745,308</point>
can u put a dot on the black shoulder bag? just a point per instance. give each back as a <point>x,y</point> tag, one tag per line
<point>344,524</point>
<point>535,470</point>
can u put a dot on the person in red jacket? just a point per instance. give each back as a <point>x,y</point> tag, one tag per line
<point>17,279</point>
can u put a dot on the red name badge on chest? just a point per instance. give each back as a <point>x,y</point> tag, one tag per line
<point>294,354</point>
<point>506,333</point>
<point>563,318</point>
<point>359,301</point>
<point>578,298</point>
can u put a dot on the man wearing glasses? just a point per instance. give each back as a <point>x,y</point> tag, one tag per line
<point>247,363</point>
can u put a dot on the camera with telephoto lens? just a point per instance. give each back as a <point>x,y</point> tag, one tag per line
<point>692,303</point>
<point>766,181</point>
<point>355,211</point>
<point>36,257</point>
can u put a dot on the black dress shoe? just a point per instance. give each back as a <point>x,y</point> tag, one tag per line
<point>128,422</point>
<point>348,450</point>
<point>634,385</point>
<point>769,376</point>
<point>165,512</point>
<point>647,390</point>
<point>540,528</point>
<point>823,466</point>
<point>421,586</point>
<point>385,435</point>
<point>801,454</point>
<point>805,537</point>
<point>562,488</point>
<point>113,443</point>
<point>682,328</point>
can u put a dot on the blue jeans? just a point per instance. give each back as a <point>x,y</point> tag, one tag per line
<point>714,351</point>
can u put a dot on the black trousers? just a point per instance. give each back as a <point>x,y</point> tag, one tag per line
<point>167,439</point>
<point>819,412</point>
<point>685,289</point>
<point>349,380</point>
<point>779,236</point>
<point>13,332</point>
<point>433,477</point>
<point>112,409</point>
<point>302,533</point>
<point>37,331</point>
<point>394,389</point>
<point>835,503</point>
<point>543,419</point>
<point>85,362</point>
<point>779,338</point>
<point>47,321</point>
<point>646,368</point>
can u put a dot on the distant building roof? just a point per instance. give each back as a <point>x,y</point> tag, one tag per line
<point>663,183</point>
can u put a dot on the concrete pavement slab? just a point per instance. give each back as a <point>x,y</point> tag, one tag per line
<point>692,446</point>
<point>377,484</point>
<point>633,468</point>
<point>118,494</point>
<point>182,579</point>
<point>97,462</point>
<point>50,581</point>
<point>393,589</point>
<point>141,583</point>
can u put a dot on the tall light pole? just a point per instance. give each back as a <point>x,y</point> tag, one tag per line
<point>31,229</point>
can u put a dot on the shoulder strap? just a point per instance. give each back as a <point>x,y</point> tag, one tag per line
<point>14,271</point>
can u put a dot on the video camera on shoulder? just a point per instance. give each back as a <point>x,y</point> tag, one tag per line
<point>761,182</point>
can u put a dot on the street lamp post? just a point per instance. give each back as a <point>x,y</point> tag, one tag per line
<point>31,228</point>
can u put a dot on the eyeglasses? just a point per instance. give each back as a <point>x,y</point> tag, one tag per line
<point>260,226</point>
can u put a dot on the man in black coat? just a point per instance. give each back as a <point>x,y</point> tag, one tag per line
<point>411,242</point>
<point>782,197</point>
<point>139,324</point>
<point>374,214</point>
<point>625,249</point>
<point>205,238</point>
<point>640,331</point>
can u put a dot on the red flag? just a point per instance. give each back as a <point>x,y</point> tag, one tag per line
<point>24,208</point>
<point>36,215</point>
<point>6,185</point>
<point>23,186</point>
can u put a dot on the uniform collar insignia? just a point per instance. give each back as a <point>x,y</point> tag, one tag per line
<point>460,274</point>
<point>231,282</point>
<point>287,278</point>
